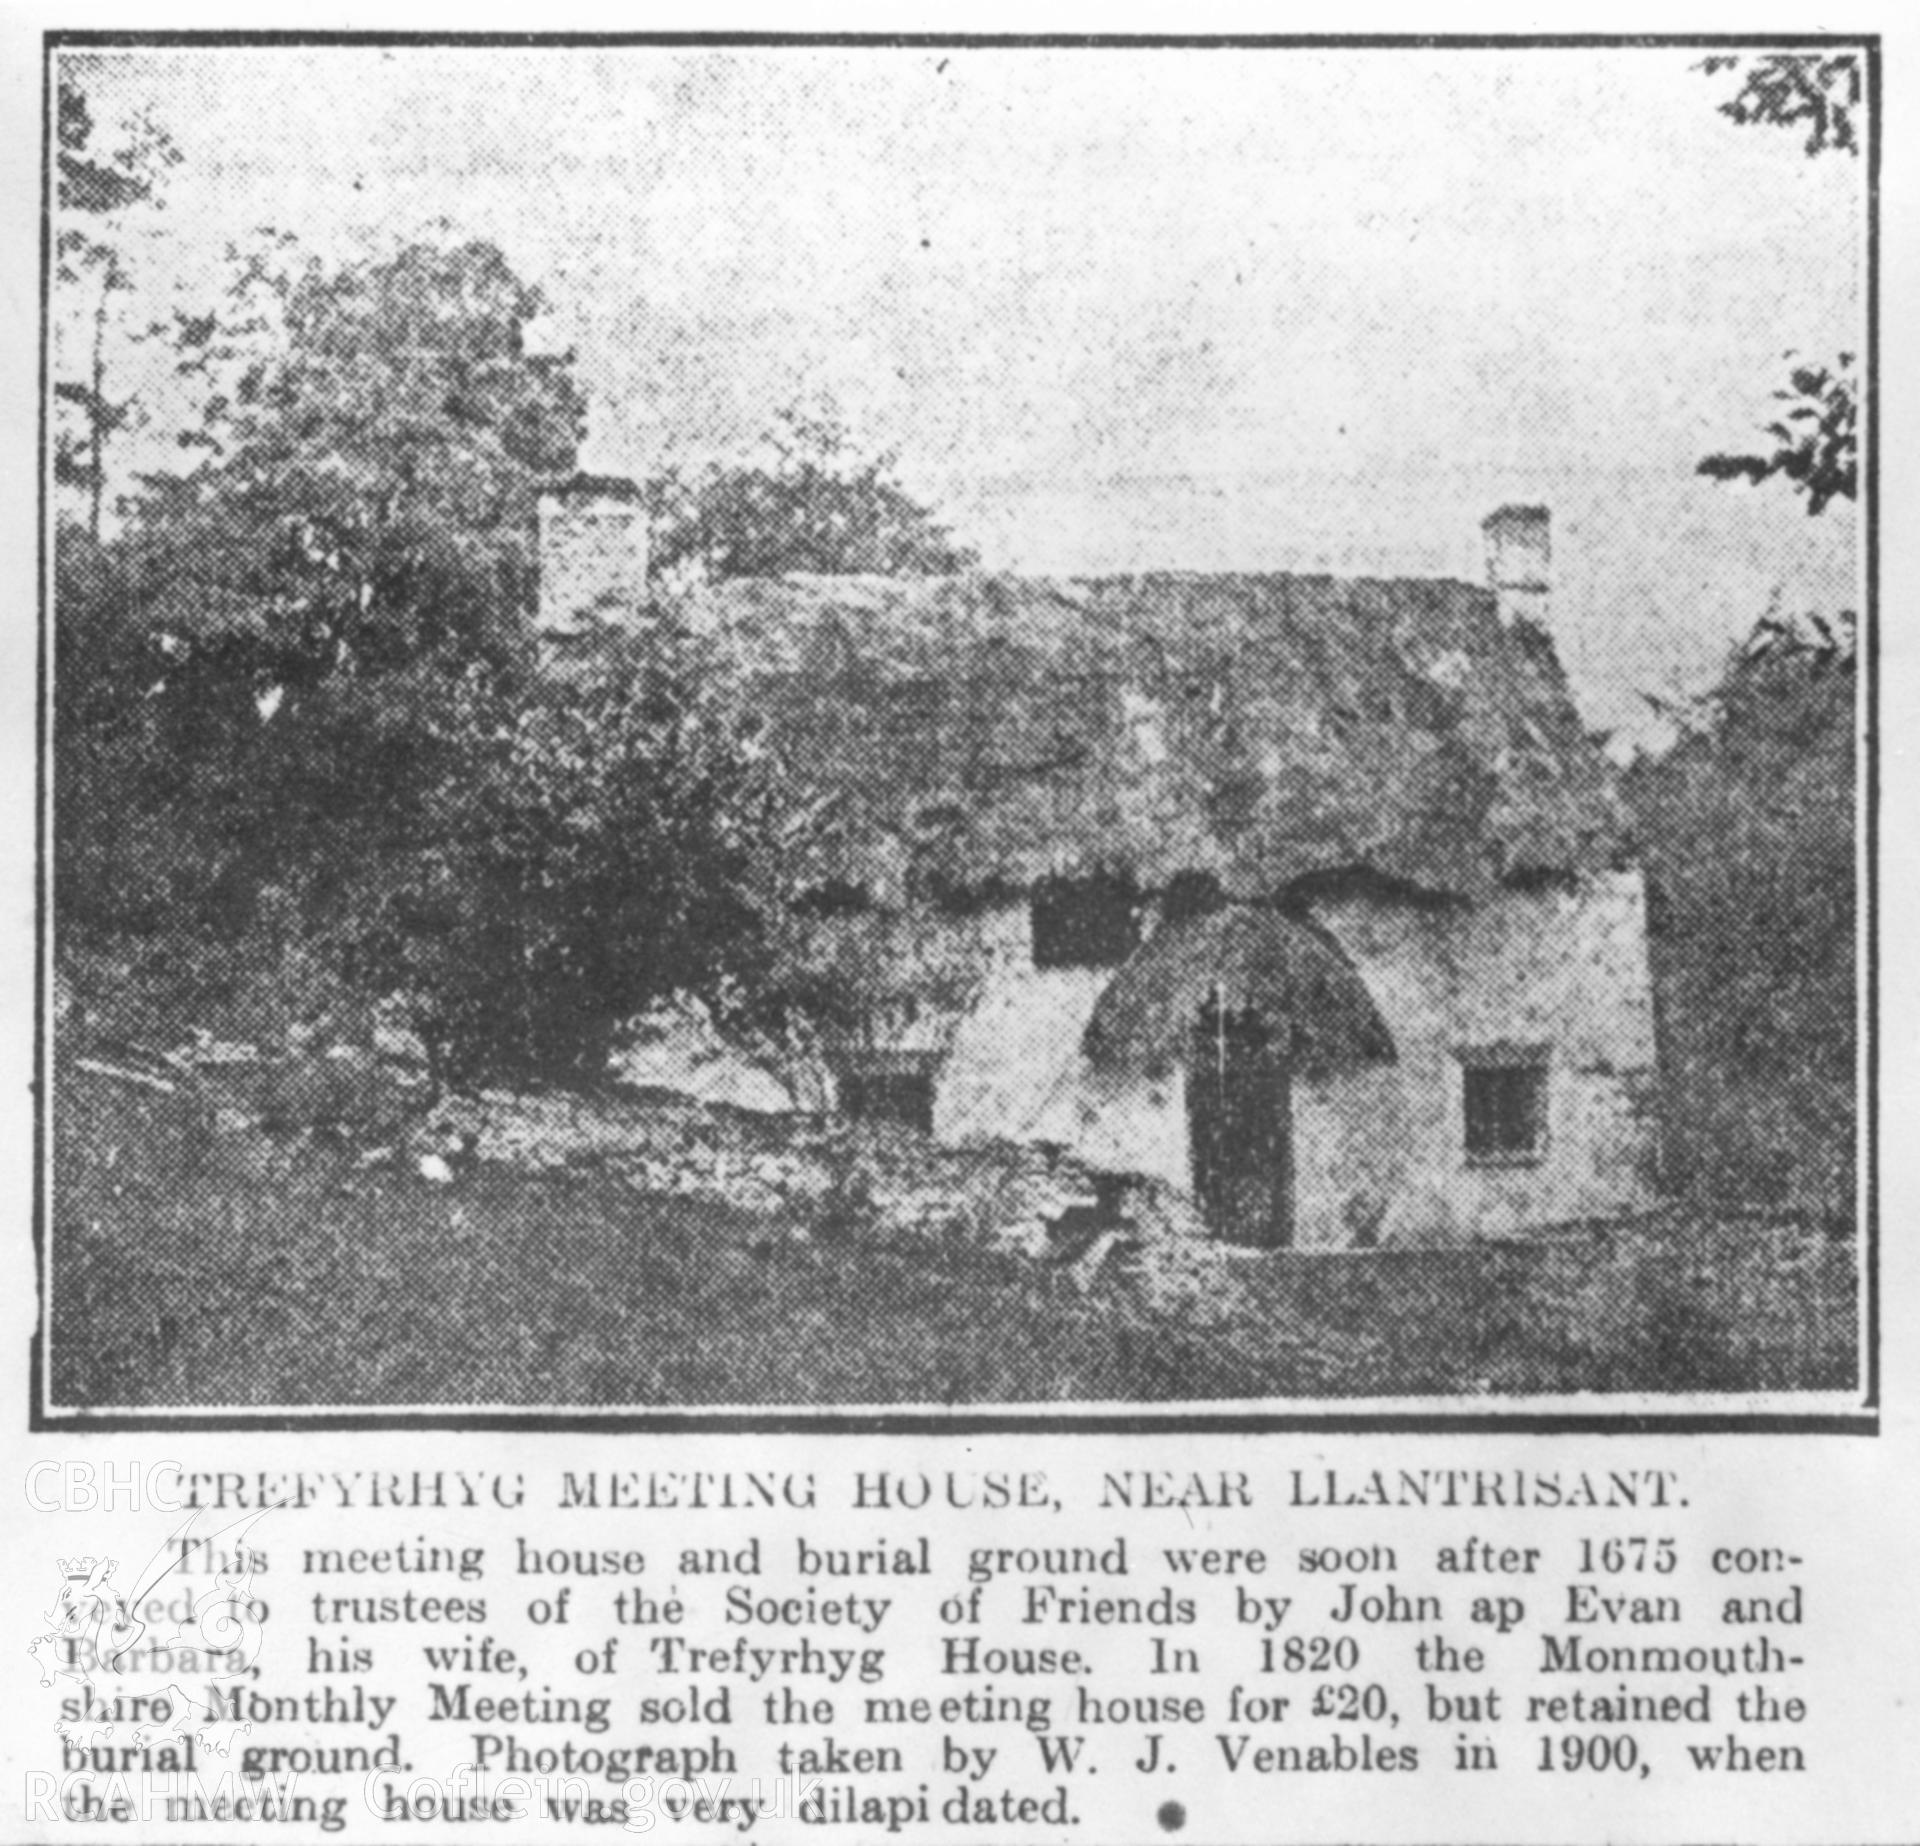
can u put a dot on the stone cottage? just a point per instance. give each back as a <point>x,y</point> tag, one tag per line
<point>1308,895</point>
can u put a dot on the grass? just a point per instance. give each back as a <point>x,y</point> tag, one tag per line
<point>191,1268</point>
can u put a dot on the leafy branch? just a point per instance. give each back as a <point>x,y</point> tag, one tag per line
<point>1796,89</point>
<point>1816,443</point>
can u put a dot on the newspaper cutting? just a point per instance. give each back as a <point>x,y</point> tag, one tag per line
<point>952,935</point>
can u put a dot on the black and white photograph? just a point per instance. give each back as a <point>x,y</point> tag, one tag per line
<point>901,726</point>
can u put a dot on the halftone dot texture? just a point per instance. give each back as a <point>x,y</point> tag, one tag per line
<point>1220,363</point>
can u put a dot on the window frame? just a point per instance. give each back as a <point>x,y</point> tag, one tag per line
<point>1112,943</point>
<point>854,1071</point>
<point>1528,1070</point>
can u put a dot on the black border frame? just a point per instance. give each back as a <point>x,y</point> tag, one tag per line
<point>787,1420</point>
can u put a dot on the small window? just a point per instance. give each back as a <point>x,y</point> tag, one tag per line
<point>889,1088</point>
<point>1085,922</point>
<point>1506,1109</point>
<point>1188,895</point>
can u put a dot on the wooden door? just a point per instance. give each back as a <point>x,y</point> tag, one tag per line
<point>1240,1129</point>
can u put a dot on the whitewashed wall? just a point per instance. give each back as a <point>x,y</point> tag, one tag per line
<point>1564,969</point>
<point>1386,1144</point>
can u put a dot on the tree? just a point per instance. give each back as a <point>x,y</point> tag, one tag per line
<point>1746,826</point>
<point>1814,437</point>
<point>376,458</point>
<point>1793,89</point>
<point>812,502</point>
<point>95,191</point>
<point>591,848</point>
<point>248,675</point>
<point>1747,829</point>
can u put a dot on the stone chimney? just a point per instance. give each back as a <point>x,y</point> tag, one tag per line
<point>1520,562</point>
<point>593,555</point>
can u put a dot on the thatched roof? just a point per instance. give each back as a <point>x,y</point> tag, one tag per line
<point>1293,978</point>
<point>994,730</point>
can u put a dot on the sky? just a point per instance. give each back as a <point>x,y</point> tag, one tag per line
<point>1118,310</point>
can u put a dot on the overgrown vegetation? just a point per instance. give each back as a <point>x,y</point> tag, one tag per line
<point>596,848</point>
<point>297,713</point>
<point>813,500</point>
<point>247,673</point>
<point>1814,435</point>
<point>256,1270</point>
<point>1819,92</point>
<point>296,682</point>
<point>304,763</point>
<point>1747,827</point>
<point>98,188</point>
